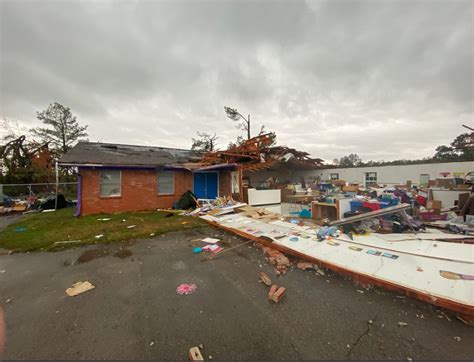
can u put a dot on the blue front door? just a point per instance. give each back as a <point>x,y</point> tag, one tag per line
<point>205,185</point>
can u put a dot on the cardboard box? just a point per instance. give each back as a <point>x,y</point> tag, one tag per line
<point>433,205</point>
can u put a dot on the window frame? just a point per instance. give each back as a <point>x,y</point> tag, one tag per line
<point>370,181</point>
<point>334,179</point>
<point>100,184</point>
<point>158,183</point>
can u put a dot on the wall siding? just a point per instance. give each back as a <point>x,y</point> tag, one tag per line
<point>390,175</point>
<point>224,183</point>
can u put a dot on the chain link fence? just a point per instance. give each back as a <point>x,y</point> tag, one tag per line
<point>38,190</point>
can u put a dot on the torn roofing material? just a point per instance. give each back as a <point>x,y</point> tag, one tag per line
<point>111,154</point>
<point>257,154</point>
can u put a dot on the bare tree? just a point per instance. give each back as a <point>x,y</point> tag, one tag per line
<point>205,142</point>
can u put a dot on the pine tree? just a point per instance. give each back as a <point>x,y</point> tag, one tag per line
<point>64,129</point>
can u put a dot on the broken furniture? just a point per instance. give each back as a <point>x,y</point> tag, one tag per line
<point>324,210</point>
<point>371,214</point>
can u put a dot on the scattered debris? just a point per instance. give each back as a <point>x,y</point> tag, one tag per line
<point>152,234</point>
<point>305,265</point>
<point>99,236</point>
<point>131,226</point>
<point>185,289</point>
<point>8,300</point>
<point>320,272</point>
<point>265,278</point>
<point>195,354</point>
<point>360,291</point>
<point>278,259</point>
<point>458,339</point>
<point>212,248</point>
<point>2,271</point>
<point>20,229</point>
<point>278,295</point>
<point>402,324</point>
<point>104,219</point>
<point>272,291</point>
<point>210,240</point>
<point>79,288</point>
<point>197,250</point>
<point>67,242</point>
<point>152,343</point>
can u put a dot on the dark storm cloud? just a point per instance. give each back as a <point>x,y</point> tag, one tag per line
<point>331,78</point>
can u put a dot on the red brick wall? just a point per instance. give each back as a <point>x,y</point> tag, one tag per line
<point>139,192</point>
<point>224,183</point>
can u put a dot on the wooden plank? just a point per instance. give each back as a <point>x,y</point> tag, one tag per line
<point>371,214</point>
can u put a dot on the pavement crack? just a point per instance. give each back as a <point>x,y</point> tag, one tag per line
<point>363,334</point>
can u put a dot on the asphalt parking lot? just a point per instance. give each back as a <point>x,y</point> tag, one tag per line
<point>135,313</point>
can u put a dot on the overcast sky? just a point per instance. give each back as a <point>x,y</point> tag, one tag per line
<point>383,79</point>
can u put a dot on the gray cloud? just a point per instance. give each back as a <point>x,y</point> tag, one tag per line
<point>386,80</point>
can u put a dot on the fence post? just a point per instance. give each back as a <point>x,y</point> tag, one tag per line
<point>57,185</point>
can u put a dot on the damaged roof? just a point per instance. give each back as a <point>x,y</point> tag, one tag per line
<point>112,154</point>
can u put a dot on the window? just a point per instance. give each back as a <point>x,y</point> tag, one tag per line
<point>334,176</point>
<point>110,183</point>
<point>424,179</point>
<point>370,178</point>
<point>165,182</point>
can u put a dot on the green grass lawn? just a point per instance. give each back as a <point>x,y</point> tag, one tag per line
<point>44,229</point>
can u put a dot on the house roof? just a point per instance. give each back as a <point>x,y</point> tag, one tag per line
<point>112,154</point>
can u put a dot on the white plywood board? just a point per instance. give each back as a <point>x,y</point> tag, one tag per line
<point>419,262</point>
<point>264,197</point>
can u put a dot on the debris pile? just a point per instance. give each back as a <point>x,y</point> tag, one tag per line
<point>277,259</point>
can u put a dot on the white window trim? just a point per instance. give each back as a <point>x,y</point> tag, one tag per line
<point>100,184</point>
<point>366,181</point>
<point>158,184</point>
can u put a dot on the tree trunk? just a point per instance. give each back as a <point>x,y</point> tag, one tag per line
<point>248,127</point>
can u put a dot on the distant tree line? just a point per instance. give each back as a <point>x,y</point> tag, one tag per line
<point>461,149</point>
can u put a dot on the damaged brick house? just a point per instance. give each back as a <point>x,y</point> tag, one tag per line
<point>118,178</point>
